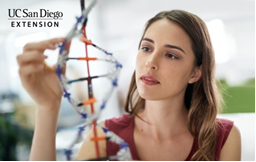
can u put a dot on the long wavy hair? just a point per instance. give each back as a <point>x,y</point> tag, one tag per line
<point>202,98</point>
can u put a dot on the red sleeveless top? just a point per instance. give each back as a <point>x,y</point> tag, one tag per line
<point>124,127</point>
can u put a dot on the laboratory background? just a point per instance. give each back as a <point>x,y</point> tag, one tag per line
<point>117,26</point>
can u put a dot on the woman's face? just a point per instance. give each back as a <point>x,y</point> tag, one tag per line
<point>165,62</point>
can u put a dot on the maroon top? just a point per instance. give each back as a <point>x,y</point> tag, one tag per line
<point>124,127</point>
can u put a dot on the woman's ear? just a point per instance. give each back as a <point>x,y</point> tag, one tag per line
<point>196,75</point>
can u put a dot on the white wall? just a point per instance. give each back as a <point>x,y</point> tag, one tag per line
<point>241,65</point>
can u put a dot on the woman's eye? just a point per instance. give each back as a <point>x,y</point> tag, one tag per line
<point>171,56</point>
<point>146,49</point>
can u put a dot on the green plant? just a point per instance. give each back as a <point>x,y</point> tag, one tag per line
<point>238,99</point>
<point>11,133</point>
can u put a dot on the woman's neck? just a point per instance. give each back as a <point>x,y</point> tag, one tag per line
<point>165,119</point>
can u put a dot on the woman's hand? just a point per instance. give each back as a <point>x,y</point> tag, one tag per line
<point>38,78</point>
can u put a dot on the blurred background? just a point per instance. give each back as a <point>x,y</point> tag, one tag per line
<point>117,25</point>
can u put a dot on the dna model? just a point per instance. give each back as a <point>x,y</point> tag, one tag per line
<point>79,30</point>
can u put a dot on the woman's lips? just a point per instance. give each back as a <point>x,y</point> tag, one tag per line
<point>149,80</point>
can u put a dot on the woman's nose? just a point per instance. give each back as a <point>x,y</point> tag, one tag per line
<point>152,62</point>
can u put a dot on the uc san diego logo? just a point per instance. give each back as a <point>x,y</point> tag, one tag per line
<point>40,18</point>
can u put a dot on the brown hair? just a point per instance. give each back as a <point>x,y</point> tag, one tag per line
<point>202,98</point>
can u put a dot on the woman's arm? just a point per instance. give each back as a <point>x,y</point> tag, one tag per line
<point>43,145</point>
<point>41,83</point>
<point>231,150</point>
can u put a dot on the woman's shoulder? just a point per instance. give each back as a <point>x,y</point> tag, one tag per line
<point>122,121</point>
<point>223,128</point>
<point>228,140</point>
<point>224,124</point>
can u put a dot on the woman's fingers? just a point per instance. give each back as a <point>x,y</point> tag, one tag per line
<point>30,69</point>
<point>30,57</point>
<point>43,45</point>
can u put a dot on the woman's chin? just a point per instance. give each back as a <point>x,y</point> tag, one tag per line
<point>148,96</point>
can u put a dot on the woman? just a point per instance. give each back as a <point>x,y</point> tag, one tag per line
<point>172,101</point>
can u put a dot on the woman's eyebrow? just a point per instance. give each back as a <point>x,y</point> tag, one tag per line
<point>167,45</point>
<point>149,40</point>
